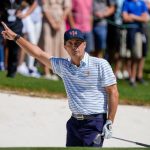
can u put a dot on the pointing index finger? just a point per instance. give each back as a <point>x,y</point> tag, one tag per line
<point>4,25</point>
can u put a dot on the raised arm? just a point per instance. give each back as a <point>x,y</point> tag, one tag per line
<point>30,48</point>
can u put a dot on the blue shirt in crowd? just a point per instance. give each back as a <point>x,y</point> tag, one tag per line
<point>136,7</point>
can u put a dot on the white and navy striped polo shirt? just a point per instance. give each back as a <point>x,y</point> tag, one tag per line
<point>85,85</point>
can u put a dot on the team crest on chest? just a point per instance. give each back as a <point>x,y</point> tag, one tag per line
<point>87,73</point>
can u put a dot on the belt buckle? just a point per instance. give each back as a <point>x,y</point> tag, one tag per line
<point>80,117</point>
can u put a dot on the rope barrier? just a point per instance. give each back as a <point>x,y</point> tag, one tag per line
<point>123,26</point>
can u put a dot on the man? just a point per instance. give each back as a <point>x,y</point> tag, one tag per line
<point>89,82</point>
<point>102,10</point>
<point>135,14</point>
<point>9,13</point>
<point>112,44</point>
<point>1,54</point>
<point>81,18</point>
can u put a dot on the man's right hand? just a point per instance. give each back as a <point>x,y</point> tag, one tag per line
<point>8,33</point>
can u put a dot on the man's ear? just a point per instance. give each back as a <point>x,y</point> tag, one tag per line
<point>84,44</point>
<point>65,47</point>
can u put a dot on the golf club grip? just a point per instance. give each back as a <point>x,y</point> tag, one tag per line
<point>145,145</point>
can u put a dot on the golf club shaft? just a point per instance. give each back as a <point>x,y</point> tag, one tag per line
<point>137,143</point>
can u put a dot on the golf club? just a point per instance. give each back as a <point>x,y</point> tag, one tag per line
<point>137,143</point>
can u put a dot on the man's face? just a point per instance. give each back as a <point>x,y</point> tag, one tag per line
<point>75,47</point>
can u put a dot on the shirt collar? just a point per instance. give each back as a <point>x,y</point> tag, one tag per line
<point>84,60</point>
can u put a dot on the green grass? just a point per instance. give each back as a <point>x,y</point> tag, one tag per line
<point>32,86</point>
<point>73,148</point>
<point>139,95</point>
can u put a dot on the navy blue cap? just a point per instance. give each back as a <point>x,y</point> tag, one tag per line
<point>72,34</point>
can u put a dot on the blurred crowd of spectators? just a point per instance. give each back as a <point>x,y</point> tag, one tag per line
<point>116,30</point>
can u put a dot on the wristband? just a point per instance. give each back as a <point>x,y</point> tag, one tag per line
<point>17,37</point>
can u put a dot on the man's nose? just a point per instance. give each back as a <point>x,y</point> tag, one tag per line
<point>74,46</point>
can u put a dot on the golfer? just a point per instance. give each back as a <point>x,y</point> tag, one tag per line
<point>90,85</point>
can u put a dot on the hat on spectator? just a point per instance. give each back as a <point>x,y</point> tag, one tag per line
<point>73,34</point>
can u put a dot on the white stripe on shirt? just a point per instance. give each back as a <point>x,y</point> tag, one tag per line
<point>85,85</point>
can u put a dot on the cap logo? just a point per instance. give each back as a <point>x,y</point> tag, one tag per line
<point>73,33</point>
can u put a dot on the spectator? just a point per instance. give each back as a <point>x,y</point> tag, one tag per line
<point>36,17</point>
<point>135,13</point>
<point>112,48</point>
<point>122,67</point>
<point>8,11</point>
<point>1,54</point>
<point>82,19</point>
<point>147,4</point>
<point>101,11</point>
<point>32,29</point>
<point>145,38</point>
<point>51,41</point>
